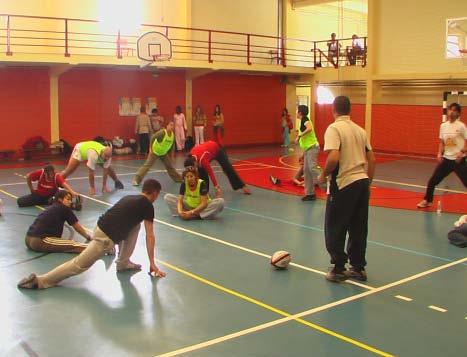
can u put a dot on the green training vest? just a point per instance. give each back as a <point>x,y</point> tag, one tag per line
<point>90,145</point>
<point>308,140</point>
<point>193,198</point>
<point>162,148</point>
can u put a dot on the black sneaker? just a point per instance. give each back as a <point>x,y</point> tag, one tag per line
<point>275,181</point>
<point>358,274</point>
<point>336,275</point>
<point>309,198</point>
<point>119,185</point>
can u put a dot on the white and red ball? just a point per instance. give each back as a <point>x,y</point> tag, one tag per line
<point>281,259</point>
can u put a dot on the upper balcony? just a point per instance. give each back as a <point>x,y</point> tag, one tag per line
<point>67,41</point>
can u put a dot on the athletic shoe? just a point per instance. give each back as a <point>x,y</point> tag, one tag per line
<point>119,185</point>
<point>358,274</point>
<point>129,266</point>
<point>309,198</point>
<point>30,282</point>
<point>424,204</point>
<point>336,275</point>
<point>275,181</point>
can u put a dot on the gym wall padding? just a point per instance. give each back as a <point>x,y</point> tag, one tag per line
<point>25,110</point>
<point>406,129</point>
<point>89,100</point>
<point>252,106</point>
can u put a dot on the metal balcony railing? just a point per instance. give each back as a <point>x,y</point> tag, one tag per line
<point>73,37</point>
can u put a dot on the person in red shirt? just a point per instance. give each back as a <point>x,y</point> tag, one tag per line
<point>48,183</point>
<point>202,155</point>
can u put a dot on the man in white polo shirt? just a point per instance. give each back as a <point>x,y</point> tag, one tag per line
<point>451,153</point>
<point>349,152</point>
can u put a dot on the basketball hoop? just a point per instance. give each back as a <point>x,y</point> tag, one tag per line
<point>153,47</point>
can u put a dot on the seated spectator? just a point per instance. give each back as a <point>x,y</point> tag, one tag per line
<point>193,200</point>
<point>355,51</point>
<point>48,183</point>
<point>333,49</point>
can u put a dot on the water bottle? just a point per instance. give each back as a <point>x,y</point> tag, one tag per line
<point>1,207</point>
<point>438,208</point>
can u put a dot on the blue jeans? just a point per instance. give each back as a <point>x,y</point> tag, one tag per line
<point>286,136</point>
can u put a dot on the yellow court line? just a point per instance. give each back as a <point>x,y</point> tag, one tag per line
<point>236,246</point>
<point>39,207</point>
<point>309,312</point>
<point>259,303</point>
<point>273,309</point>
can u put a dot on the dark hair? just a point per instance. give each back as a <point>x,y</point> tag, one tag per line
<point>142,109</point>
<point>191,169</point>
<point>49,168</point>
<point>303,110</point>
<point>215,109</point>
<point>189,161</point>
<point>456,107</point>
<point>61,194</point>
<point>154,110</point>
<point>178,109</point>
<point>285,110</point>
<point>341,105</point>
<point>151,186</point>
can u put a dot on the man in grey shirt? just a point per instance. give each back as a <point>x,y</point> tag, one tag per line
<point>351,166</point>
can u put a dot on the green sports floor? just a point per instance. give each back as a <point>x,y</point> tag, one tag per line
<point>221,297</point>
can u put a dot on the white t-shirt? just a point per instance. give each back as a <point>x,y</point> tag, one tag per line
<point>453,136</point>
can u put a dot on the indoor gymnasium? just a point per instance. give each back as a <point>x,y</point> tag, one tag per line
<point>233,178</point>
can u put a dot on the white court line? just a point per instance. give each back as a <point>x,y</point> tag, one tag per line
<point>436,308</point>
<point>308,312</point>
<point>236,246</point>
<point>375,180</point>
<point>403,298</point>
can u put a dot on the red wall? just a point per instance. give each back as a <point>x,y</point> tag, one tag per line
<point>89,100</point>
<point>409,129</point>
<point>252,106</point>
<point>25,109</point>
<point>324,117</point>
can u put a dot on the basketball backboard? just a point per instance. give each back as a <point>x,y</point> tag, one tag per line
<point>153,47</point>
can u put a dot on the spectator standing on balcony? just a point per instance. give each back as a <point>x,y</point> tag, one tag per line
<point>333,49</point>
<point>199,123</point>
<point>218,125</point>
<point>286,127</point>
<point>157,120</point>
<point>180,128</point>
<point>142,129</point>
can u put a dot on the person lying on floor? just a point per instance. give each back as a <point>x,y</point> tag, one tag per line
<point>44,235</point>
<point>193,200</point>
